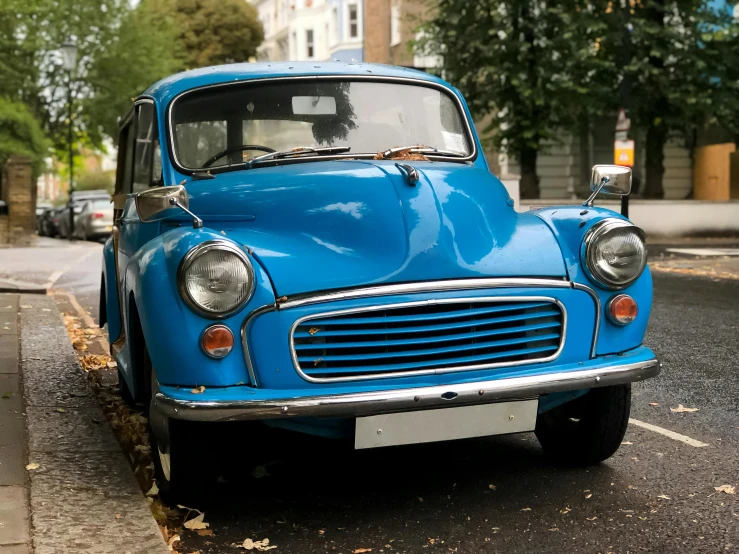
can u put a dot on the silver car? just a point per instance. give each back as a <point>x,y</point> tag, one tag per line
<point>95,219</point>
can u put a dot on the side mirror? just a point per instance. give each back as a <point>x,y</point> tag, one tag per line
<point>157,203</point>
<point>613,179</point>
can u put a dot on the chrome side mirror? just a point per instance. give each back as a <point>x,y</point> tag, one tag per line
<point>158,203</point>
<point>613,179</point>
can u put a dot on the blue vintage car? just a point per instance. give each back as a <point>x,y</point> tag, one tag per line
<point>322,247</point>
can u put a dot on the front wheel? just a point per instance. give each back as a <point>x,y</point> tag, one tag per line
<point>587,430</point>
<point>180,456</point>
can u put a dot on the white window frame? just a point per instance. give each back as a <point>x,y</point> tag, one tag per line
<point>310,44</point>
<point>357,21</point>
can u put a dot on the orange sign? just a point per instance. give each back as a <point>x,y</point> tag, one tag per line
<point>623,152</point>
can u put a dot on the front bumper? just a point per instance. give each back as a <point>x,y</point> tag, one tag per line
<point>602,372</point>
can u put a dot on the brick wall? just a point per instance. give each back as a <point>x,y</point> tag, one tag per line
<point>20,194</point>
<point>377,31</point>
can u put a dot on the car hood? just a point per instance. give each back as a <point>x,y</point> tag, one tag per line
<point>335,224</point>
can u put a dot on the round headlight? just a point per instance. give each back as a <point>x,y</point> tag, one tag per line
<point>216,279</point>
<point>614,253</point>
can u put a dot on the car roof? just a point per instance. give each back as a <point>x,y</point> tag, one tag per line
<point>166,89</point>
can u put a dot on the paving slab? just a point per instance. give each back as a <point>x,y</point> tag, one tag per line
<point>104,472</point>
<point>12,465</point>
<point>17,549</point>
<point>52,383</point>
<point>13,516</point>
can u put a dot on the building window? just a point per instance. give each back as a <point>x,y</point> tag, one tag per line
<point>353,21</point>
<point>335,22</point>
<point>395,35</point>
<point>310,47</point>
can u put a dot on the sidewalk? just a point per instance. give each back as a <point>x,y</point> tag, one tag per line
<point>79,490</point>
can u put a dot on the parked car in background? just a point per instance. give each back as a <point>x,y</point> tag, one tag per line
<point>323,248</point>
<point>41,209</point>
<point>77,203</point>
<point>49,222</point>
<point>95,220</point>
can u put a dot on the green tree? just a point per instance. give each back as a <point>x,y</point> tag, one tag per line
<point>21,134</point>
<point>121,51</point>
<point>213,32</point>
<point>525,66</point>
<point>682,67</point>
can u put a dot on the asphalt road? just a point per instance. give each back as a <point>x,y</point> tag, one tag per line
<point>657,494</point>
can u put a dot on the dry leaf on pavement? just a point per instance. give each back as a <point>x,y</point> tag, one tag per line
<point>492,487</point>
<point>31,467</point>
<point>525,509</point>
<point>654,403</point>
<point>197,523</point>
<point>204,532</point>
<point>680,409</point>
<point>171,541</point>
<point>198,390</point>
<point>362,550</point>
<point>153,491</point>
<point>664,497</point>
<point>728,489</point>
<point>262,545</point>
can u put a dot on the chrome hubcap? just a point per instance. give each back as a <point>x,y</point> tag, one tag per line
<point>165,460</point>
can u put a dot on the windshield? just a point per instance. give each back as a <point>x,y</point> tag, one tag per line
<point>243,122</point>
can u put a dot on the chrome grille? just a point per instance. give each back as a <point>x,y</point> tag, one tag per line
<point>426,337</point>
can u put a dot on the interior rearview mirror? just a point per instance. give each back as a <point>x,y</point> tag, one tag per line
<point>154,204</point>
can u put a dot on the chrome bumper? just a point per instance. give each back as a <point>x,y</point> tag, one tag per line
<point>403,400</point>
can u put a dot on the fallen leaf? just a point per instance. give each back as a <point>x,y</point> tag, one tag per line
<point>198,390</point>
<point>262,545</point>
<point>654,403</point>
<point>171,541</point>
<point>154,490</point>
<point>204,532</point>
<point>31,467</point>
<point>592,518</point>
<point>259,472</point>
<point>362,550</point>
<point>26,306</point>
<point>565,510</point>
<point>680,409</point>
<point>728,489</point>
<point>664,497</point>
<point>588,495</point>
<point>627,442</point>
<point>61,410</point>
<point>196,523</point>
<point>635,459</point>
<point>554,529</point>
<point>6,395</point>
<point>112,365</point>
<point>525,509</point>
<point>80,345</point>
<point>45,310</point>
<point>492,487</point>
<point>181,507</point>
<point>118,516</point>
<point>313,330</point>
<point>317,361</point>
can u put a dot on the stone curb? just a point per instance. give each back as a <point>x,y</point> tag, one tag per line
<point>14,287</point>
<point>84,497</point>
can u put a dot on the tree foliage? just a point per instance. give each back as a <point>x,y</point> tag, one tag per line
<point>527,66</point>
<point>120,52</point>
<point>21,134</point>
<point>213,32</point>
<point>535,68</point>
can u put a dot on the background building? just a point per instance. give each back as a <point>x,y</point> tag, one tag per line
<point>305,30</point>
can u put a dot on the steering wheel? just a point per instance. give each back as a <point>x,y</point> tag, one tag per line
<point>233,149</point>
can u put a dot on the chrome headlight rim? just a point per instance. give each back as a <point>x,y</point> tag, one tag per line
<point>189,259</point>
<point>596,232</point>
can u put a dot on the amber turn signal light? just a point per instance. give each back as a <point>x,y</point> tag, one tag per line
<point>217,341</point>
<point>622,309</point>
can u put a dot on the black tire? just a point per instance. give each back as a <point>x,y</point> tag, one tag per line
<point>586,430</point>
<point>188,474</point>
<point>124,391</point>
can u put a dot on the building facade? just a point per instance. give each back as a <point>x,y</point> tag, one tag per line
<point>305,30</point>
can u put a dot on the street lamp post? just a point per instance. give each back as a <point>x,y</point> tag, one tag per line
<point>69,61</point>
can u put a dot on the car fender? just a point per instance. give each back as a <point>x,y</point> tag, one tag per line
<point>109,294</point>
<point>570,224</point>
<point>170,328</point>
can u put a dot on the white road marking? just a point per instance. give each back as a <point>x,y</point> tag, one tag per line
<point>667,433</point>
<point>705,251</point>
<point>54,277</point>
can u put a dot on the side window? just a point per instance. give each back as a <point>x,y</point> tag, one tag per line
<point>146,142</point>
<point>125,160</point>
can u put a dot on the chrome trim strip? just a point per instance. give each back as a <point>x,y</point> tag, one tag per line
<point>596,299</point>
<point>190,257</point>
<point>348,77</point>
<point>399,400</point>
<point>431,302</point>
<point>245,340</point>
<point>428,286</point>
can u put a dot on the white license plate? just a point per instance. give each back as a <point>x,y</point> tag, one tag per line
<point>446,424</point>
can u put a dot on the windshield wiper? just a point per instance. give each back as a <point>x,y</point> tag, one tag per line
<point>299,151</point>
<point>421,149</point>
